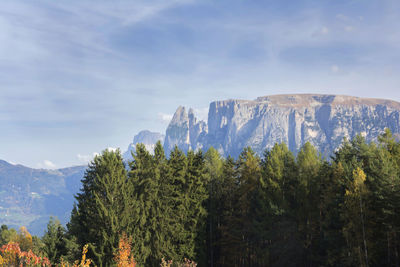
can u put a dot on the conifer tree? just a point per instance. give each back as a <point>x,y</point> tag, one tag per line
<point>163,244</point>
<point>355,230</point>
<point>238,237</point>
<point>308,197</point>
<point>249,175</point>
<point>144,188</point>
<point>197,180</point>
<point>280,182</point>
<point>175,198</point>
<point>226,202</point>
<point>54,241</point>
<point>104,207</point>
<point>147,177</point>
<point>214,168</point>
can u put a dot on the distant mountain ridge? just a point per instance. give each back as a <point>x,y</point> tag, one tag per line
<point>322,120</point>
<point>30,196</point>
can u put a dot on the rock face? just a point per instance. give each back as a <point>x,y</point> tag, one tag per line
<point>322,120</point>
<point>185,131</point>
<point>149,139</point>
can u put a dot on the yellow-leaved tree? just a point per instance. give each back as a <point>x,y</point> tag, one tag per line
<point>24,239</point>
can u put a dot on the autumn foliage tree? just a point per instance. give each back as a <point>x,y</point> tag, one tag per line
<point>123,256</point>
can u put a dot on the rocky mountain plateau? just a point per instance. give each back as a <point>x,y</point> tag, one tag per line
<point>322,120</point>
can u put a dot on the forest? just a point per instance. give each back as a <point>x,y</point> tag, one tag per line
<point>200,209</point>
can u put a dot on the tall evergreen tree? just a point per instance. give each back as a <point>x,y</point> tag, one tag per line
<point>280,182</point>
<point>147,179</point>
<point>226,202</point>
<point>104,207</point>
<point>175,189</point>
<point>214,168</point>
<point>197,183</point>
<point>309,195</point>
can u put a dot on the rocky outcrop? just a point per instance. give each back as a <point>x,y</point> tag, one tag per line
<point>149,139</point>
<point>185,131</point>
<point>322,120</point>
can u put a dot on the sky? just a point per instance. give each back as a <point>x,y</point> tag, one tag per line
<point>77,77</point>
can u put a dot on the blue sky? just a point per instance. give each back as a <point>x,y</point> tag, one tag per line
<point>79,76</point>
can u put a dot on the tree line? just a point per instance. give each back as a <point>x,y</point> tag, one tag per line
<point>280,209</point>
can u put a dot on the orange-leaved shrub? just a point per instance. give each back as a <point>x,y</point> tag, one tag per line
<point>11,255</point>
<point>124,257</point>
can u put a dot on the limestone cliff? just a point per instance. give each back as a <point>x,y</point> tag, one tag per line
<point>322,120</point>
<point>184,131</point>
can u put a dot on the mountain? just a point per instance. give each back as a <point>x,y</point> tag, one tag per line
<point>185,131</point>
<point>322,120</point>
<point>28,197</point>
<point>149,139</point>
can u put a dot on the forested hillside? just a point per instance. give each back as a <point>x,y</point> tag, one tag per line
<point>30,196</point>
<point>278,210</point>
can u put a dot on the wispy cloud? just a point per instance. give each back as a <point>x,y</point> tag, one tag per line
<point>87,158</point>
<point>93,74</point>
<point>46,164</point>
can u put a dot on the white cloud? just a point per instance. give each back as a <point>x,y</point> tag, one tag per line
<point>86,158</point>
<point>89,157</point>
<point>164,117</point>
<point>46,164</point>
<point>335,68</point>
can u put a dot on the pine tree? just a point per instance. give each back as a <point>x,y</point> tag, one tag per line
<point>280,182</point>
<point>175,199</point>
<point>249,175</point>
<point>104,207</point>
<point>214,168</point>
<point>226,201</point>
<point>309,213</point>
<point>384,199</point>
<point>147,178</point>
<point>197,181</point>
<point>54,241</point>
